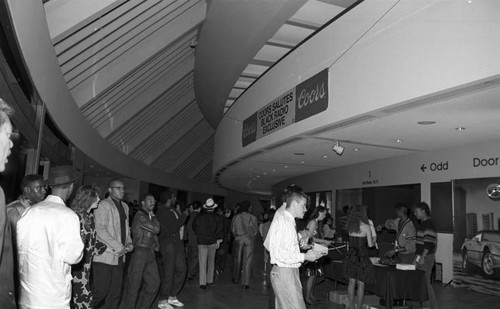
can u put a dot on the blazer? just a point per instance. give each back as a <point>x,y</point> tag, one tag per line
<point>107,225</point>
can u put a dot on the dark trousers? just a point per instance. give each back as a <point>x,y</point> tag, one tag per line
<point>174,269</point>
<point>243,256</point>
<point>192,259</point>
<point>142,270</point>
<point>107,285</point>
<point>221,257</point>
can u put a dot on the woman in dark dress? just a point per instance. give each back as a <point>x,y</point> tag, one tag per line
<point>315,232</point>
<point>358,267</point>
<point>86,199</point>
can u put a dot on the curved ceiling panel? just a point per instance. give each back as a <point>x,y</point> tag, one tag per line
<point>232,34</point>
<point>117,79</point>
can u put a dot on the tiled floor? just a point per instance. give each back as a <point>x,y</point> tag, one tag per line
<point>225,295</point>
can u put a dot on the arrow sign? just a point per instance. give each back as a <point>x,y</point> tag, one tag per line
<point>423,168</point>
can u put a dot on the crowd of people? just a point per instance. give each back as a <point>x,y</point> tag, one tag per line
<point>65,249</point>
<point>290,238</point>
<point>75,250</point>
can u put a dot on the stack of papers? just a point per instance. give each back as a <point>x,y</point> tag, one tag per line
<point>320,248</point>
<point>405,266</point>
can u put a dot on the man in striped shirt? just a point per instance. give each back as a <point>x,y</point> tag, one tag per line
<point>426,247</point>
<point>283,244</point>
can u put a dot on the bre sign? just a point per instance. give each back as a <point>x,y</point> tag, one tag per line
<point>301,102</point>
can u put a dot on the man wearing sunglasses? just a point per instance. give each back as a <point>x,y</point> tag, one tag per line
<point>112,227</point>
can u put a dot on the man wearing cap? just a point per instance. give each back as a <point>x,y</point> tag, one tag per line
<point>112,227</point>
<point>49,242</point>
<point>208,228</point>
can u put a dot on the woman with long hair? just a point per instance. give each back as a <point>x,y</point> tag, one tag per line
<point>358,267</point>
<point>315,232</point>
<point>86,199</point>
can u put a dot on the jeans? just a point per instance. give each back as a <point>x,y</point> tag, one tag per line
<point>174,268</point>
<point>192,260</point>
<point>107,285</point>
<point>243,255</point>
<point>142,270</point>
<point>287,288</point>
<point>427,267</point>
<point>206,258</point>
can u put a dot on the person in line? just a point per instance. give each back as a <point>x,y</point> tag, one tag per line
<point>143,270</point>
<point>48,243</point>
<point>426,243</point>
<point>172,249</point>
<point>224,248</point>
<point>357,265</point>
<point>312,268</point>
<point>208,228</point>
<point>192,245</point>
<point>283,244</point>
<point>7,269</point>
<point>244,228</point>
<point>112,226</point>
<point>85,201</point>
<point>263,230</point>
<point>33,191</point>
<point>404,247</point>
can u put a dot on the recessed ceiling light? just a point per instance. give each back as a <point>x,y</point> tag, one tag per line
<point>325,157</point>
<point>398,140</point>
<point>356,149</point>
<point>286,166</point>
<point>460,128</point>
<point>426,122</point>
<point>302,162</point>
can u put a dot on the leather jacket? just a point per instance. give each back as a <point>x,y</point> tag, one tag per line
<point>145,230</point>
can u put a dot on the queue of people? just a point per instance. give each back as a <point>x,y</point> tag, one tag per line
<point>56,253</point>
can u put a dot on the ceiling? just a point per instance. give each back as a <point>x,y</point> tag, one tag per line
<point>154,78</point>
<point>134,68</point>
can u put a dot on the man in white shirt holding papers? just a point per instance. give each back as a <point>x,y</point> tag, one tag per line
<point>282,241</point>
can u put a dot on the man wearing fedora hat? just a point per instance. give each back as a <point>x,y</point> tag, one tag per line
<point>49,242</point>
<point>208,228</point>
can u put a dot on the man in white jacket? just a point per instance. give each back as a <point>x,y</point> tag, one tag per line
<point>49,242</point>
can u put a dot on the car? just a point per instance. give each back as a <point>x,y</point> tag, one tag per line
<point>482,250</point>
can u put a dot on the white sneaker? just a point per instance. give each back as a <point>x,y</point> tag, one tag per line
<point>175,302</point>
<point>164,305</point>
